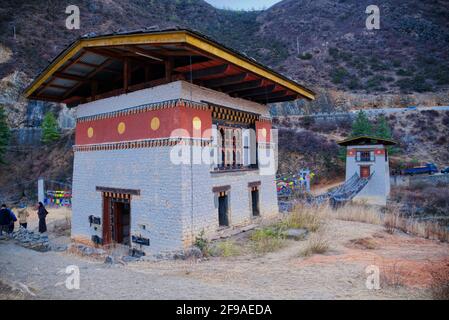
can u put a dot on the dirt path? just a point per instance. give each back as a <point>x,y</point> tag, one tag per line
<point>338,274</point>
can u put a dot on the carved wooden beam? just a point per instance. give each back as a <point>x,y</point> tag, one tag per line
<point>206,72</point>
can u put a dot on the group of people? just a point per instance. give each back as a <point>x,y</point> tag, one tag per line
<point>8,218</point>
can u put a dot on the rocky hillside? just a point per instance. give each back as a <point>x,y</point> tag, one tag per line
<point>408,53</point>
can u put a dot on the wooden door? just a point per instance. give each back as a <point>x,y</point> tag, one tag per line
<point>255,202</point>
<point>107,228</point>
<point>365,172</point>
<point>223,211</point>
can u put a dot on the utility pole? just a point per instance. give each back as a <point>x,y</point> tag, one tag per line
<point>40,190</point>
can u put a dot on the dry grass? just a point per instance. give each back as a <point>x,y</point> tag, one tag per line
<point>424,229</point>
<point>228,248</point>
<point>391,220</point>
<point>63,227</point>
<point>364,243</point>
<point>7,293</point>
<point>317,244</point>
<point>390,223</point>
<point>14,290</point>
<point>358,213</point>
<point>306,217</point>
<point>390,275</point>
<point>440,284</point>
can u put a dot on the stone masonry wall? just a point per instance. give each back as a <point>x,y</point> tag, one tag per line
<point>147,170</point>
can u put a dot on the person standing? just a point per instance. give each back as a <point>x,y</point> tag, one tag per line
<point>23,215</point>
<point>42,214</point>
<point>5,219</point>
<point>12,221</point>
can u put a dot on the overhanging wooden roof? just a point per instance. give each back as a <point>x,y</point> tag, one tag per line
<point>366,140</point>
<point>95,67</point>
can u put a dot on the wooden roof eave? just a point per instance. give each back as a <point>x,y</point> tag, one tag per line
<point>173,37</point>
<point>353,140</point>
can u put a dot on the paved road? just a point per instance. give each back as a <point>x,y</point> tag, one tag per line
<point>370,112</point>
<point>399,110</point>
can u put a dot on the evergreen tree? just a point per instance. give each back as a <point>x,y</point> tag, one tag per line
<point>50,130</point>
<point>382,128</point>
<point>362,125</point>
<point>4,134</point>
<point>383,131</point>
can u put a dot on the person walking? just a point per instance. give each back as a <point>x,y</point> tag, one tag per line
<point>5,219</point>
<point>42,214</point>
<point>23,215</point>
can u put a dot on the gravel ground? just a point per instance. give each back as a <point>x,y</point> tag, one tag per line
<point>338,274</point>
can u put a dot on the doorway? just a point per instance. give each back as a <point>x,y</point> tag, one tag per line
<point>223,219</point>
<point>255,202</point>
<point>117,220</point>
<point>365,172</point>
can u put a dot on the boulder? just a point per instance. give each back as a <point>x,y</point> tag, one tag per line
<point>296,234</point>
<point>109,260</point>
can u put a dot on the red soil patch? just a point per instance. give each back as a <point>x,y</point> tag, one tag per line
<point>402,260</point>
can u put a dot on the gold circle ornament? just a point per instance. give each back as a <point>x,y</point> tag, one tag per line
<point>155,123</point>
<point>196,123</point>
<point>121,128</point>
<point>90,132</point>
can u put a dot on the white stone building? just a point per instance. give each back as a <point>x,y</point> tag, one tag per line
<point>173,137</point>
<point>368,158</point>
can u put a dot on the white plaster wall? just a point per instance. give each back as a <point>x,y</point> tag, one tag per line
<point>198,94</point>
<point>376,191</point>
<point>147,170</point>
<point>170,91</point>
<point>160,93</point>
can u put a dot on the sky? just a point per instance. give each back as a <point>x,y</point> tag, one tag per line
<point>242,4</point>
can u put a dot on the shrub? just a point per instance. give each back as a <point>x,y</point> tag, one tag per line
<point>364,243</point>
<point>440,284</point>
<point>202,243</point>
<point>339,74</point>
<point>4,133</point>
<point>228,248</point>
<point>390,223</point>
<point>267,240</point>
<point>404,73</point>
<point>307,121</point>
<point>305,56</point>
<point>317,244</point>
<point>333,52</point>
<point>354,84</point>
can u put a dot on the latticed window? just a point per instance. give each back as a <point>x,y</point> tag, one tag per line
<point>365,156</point>
<point>229,147</point>
<point>237,146</point>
